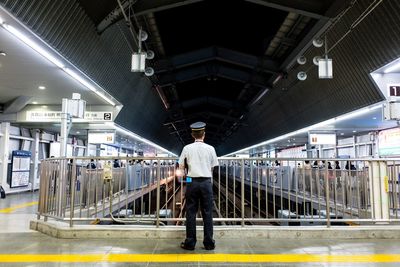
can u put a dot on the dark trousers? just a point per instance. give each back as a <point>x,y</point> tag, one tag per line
<point>199,191</point>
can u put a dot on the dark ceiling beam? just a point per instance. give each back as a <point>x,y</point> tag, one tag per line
<point>220,54</point>
<point>203,115</point>
<point>218,115</point>
<point>207,100</point>
<point>205,70</point>
<point>141,7</point>
<point>316,31</point>
<point>112,17</point>
<point>243,76</point>
<point>312,9</point>
<point>183,75</point>
<point>17,104</point>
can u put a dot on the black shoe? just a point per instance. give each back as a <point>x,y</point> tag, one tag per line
<point>184,246</point>
<point>209,247</point>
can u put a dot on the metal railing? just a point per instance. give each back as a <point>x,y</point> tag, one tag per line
<point>252,191</point>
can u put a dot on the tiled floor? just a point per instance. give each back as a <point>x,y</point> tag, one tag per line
<point>16,238</point>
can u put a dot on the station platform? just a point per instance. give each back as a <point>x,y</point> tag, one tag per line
<point>21,246</point>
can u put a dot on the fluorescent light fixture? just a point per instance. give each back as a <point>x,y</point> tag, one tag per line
<point>41,87</point>
<point>77,77</point>
<point>312,127</point>
<point>137,137</point>
<point>105,98</point>
<point>42,51</point>
<point>33,45</point>
<point>88,85</point>
<point>34,102</point>
<point>357,113</point>
<point>394,66</point>
<point>260,96</point>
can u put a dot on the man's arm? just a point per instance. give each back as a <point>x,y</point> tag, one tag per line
<point>214,160</point>
<point>181,162</point>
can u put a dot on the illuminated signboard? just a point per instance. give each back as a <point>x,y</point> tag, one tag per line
<point>389,142</point>
<point>322,139</point>
<point>55,116</point>
<point>101,138</point>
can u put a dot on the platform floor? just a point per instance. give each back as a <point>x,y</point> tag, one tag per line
<point>20,246</point>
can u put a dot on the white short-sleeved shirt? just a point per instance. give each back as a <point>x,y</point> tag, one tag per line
<point>200,159</point>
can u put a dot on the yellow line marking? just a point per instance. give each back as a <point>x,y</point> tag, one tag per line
<point>13,208</point>
<point>234,258</point>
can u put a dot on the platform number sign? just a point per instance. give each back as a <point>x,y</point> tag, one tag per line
<point>107,116</point>
<point>394,90</point>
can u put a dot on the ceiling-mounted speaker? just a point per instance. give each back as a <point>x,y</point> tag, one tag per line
<point>149,71</point>
<point>318,42</point>
<point>302,76</point>
<point>143,36</point>
<point>150,54</point>
<point>302,60</point>
<point>316,59</point>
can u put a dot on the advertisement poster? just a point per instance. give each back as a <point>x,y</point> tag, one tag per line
<point>20,168</point>
<point>389,142</point>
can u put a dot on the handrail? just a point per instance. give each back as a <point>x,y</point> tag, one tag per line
<point>261,190</point>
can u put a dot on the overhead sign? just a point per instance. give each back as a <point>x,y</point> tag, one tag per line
<point>389,142</point>
<point>101,138</point>
<point>393,90</point>
<point>55,116</point>
<point>322,139</point>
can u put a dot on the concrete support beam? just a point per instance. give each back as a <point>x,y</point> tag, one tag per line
<point>35,157</point>
<point>379,190</point>
<point>4,152</point>
<point>17,104</point>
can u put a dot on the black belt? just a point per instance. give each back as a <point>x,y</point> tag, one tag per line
<point>200,178</point>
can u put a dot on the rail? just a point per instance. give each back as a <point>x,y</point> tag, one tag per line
<point>281,191</point>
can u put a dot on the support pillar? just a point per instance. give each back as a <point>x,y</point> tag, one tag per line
<point>35,177</point>
<point>64,128</point>
<point>379,190</point>
<point>4,152</point>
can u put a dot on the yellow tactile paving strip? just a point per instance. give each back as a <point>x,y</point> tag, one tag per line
<point>20,206</point>
<point>233,258</point>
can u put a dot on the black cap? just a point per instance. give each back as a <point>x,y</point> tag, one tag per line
<point>198,126</point>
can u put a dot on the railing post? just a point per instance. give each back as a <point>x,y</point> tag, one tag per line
<point>158,194</point>
<point>242,192</point>
<point>379,190</point>
<point>328,213</point>
<point>72,192</point>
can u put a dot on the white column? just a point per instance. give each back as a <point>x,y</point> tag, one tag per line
<point>35,177</point>
<point>379,187</point>
<point>64,128</point>
<point>87,144</point>
<point>4,151</point>
<point>375,145</point>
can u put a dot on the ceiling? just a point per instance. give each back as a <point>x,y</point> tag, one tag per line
<point>215,58</point>
<point>22,71</point>
<point>229,63</point>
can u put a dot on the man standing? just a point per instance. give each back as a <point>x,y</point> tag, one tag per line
<point>201,159</point>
